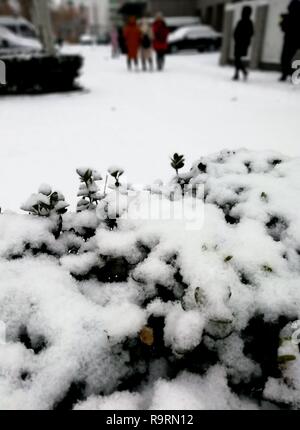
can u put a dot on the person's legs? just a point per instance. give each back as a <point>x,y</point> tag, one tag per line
<point>288,54</point>
<point>148,58</point>
<point>160,60</point>
<point>237,65</point>
<point>144,60</point>
<point>157,60</point>
<point>128,63</point>
<point>150,62</point>
<point>243,69</point>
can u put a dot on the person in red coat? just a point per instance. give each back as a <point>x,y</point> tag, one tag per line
<point>160,40</point>
<point>132,36</point>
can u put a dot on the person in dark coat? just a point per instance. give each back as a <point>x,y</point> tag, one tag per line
<point>160,40</point>
<point>290,25</point>
<point>242,36</point>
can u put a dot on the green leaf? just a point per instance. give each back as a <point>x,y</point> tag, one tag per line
<point>264,196</point>
<point>267,269</point>
<point>282,359</point>
<point>177,162</point>
<point>54,198</point>
<point>284,339</point>
<point>88,175</point>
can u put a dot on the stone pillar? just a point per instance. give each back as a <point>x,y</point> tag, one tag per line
<point>42,21</point>
<point>259,36</point>
<point>227,36</point>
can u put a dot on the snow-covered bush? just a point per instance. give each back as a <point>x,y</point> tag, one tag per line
<point>40,73</point>
<point>47,203</point>
<point>88,189</point>
<point>146,312</point>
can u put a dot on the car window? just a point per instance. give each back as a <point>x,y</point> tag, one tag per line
<point>12,28</point>
<point>26,31</point>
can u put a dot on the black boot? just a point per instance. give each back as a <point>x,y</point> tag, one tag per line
<point>283,78</point>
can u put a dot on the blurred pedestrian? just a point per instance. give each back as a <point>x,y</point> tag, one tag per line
<point>290,25</point>
<point>146,45</point>
<point>114,40</point>
<point>121,40</point>
<point>160,40</point>
<point>242,36</point>
<point>132,35</point>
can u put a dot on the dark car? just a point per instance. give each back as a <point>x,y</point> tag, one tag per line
<point>199,37</point>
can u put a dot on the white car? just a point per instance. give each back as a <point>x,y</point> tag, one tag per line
<point>17,34</point>
<point>199,37</point>
<point>88,39</point>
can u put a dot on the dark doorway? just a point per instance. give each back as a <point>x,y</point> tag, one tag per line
<point>220,17</point>
<point>209,15</point>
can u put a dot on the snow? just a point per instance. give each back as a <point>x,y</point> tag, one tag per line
<point>156,297</point>
<point>139,120</point>
<point>192,392</point>
<point>77,308</point>
<point>186,392</point>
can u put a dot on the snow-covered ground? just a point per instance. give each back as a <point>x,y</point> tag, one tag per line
<point>138,120</point>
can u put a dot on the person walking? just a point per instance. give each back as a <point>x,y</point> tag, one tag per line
<point>146,45</point>
<point>132,36</point>
<point>290,25</point>
<point>114,39</point>
<point>242,36</point>
<point>160,40</point>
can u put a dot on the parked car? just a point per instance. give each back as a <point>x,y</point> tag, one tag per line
<point>11,42</point>
<point>18,34</point>
<point>19,26</point>
<point>199,37</point>
<point>87,39</point>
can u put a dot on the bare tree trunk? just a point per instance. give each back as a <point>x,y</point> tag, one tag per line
<point>42,21</point>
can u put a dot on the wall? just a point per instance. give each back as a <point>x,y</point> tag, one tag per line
<point>173,7</point>
<point>212,12</point>
<point>99,16</point>
<point>272,39</point>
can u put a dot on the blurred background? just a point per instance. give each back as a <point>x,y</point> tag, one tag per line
<point>91,21</point>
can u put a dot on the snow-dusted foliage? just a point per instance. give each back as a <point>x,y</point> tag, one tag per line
<point>119,311</point>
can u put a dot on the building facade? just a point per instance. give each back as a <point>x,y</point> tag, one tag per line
<point>9,7</point>
<point>266,46</point>
<point>212,12</point>
<point>96,12</point>
<point>173,7</point>
<point>170,8</point>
